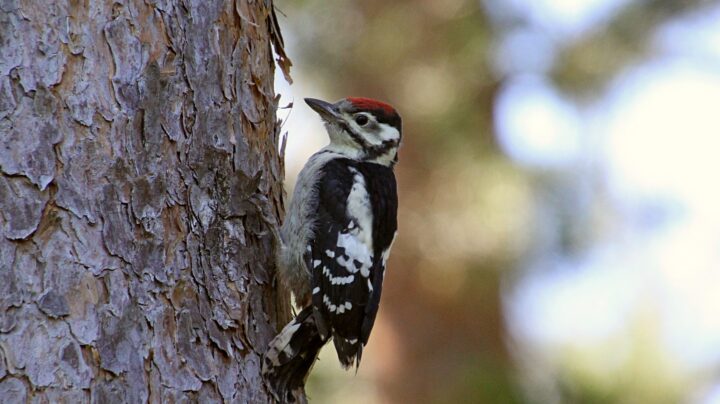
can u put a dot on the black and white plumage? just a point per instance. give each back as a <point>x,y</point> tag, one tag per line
<point>336,240</point>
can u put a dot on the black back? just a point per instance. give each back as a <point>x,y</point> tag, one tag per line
<point>332,221</point>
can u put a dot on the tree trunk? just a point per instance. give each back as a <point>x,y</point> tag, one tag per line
<point>140,180</point>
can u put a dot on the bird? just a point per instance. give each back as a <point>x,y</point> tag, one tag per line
<point>335,241</point>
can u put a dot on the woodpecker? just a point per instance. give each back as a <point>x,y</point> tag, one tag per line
<point>336,239</point>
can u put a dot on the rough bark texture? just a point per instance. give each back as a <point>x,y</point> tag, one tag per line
<point>140,178</point>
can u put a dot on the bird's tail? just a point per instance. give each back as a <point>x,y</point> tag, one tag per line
<point>291,355</point>
<point>349,351</point>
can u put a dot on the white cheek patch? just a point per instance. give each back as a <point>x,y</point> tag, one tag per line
<point>383,133</point>
<point>368,135</point>
<point>388,133</point>
<point>374,135</point>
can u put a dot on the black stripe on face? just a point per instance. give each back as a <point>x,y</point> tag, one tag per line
<point>377,151</point>
<point>356,137</point>
<point>371,151</point>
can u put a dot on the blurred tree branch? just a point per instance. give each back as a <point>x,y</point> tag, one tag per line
<point>584,67</point>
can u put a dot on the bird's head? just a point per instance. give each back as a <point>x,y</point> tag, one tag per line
<point>361,128</point>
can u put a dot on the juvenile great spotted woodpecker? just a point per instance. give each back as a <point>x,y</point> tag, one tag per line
<point>335,241</point>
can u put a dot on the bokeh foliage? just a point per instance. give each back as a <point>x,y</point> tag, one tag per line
<point>469,215</point>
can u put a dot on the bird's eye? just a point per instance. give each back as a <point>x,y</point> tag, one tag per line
<point>361,120</point>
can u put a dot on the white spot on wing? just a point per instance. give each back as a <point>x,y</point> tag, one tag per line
<point>316,263</point>
<point>347,264</point>
<point>365,271</point>
<point>333,308</point>
<point>316,290</point>
<point>330,253</point>
<point>355,249</point>
<point>338,280</point>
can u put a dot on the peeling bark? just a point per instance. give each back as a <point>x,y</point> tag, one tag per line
<point>140,181</point>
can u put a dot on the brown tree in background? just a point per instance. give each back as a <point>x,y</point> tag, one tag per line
<point>140,177</point>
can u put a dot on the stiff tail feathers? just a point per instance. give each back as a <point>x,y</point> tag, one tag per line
<point>290,356</point>
<point>349,351</point>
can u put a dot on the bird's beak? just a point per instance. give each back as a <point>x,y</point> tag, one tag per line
<point>326,110</point>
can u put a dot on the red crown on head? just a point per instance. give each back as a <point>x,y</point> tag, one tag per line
<point>369,103</point>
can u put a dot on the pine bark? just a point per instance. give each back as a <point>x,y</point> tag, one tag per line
<point>140,180</point>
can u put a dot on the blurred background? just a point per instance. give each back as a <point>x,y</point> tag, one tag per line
<point>559,232</point>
